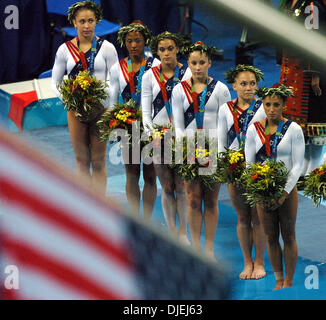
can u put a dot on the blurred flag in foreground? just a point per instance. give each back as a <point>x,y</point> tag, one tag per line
<point>59,240</point>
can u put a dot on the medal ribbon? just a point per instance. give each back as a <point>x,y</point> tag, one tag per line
<point>199,110</point>
<point>135,93</point>
<point>92,57</point>
<point>272,153</point>
<point>167,101</point>
<point>242,137</point>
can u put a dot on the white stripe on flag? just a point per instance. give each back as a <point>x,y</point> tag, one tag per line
<point>35,286</point>
<point>62,195</point>
<point>71,251</point>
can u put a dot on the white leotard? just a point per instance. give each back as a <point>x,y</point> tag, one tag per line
<point>183,114</point>
<point>64,62</point>
<point>226,137</point>
<point>153,108</point>
<point>290,150</point>
<point>119,79</point>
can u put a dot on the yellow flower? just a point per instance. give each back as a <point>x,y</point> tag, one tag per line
<point>263,170</point>
<point>201,153</point>
<point>235,157</point>
<point>322,168</point>
<point>156,134</point>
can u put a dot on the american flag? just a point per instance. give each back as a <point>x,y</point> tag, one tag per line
<point>59,240</point>
<point>66,242</point>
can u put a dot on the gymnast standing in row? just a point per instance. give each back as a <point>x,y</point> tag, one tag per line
<point>156,91</point>
<point>234,118</point>
<point>126,77</point>
<point>195,105</point>
<point>276,137</point>
<point>86,52</point>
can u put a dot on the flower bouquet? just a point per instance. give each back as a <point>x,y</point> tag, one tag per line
<point>84,95</point>
<point>159,131</point>
<point>195,158</point>
<point>121,116</point>
<point>158,139</point>
<point>230,166</point>
<point>315,185</point>
<point>264,182</point>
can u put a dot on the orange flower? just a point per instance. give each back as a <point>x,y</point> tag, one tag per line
<point>255,176</point>
<point>130,110</point>
<point>72,88</point>
<point>130,121</point>
<point>113,123</point>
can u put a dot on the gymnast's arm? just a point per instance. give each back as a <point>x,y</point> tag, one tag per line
<point>59,69</point>
<point>297,155</point>
<point>114,85</point>
<point>147,100</point>
<point>177,111</point>
<point>111,58</point>
<point>250,145</point>
<point>222,128</point>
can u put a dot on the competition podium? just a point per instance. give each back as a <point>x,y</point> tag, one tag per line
<point>30,105</point>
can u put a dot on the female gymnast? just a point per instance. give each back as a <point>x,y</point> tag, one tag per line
<point>86,52</point>
<point>157,87</point>
<point>281,139</point>
<point>125,83</point>
<point>195,105</point>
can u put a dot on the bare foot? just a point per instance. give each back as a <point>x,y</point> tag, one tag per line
<point>287,284</point>
<point>279,284</point>
<point>211,256</point>
<point>247,271</point>
<point>258,272</point>
<point>184,239</point>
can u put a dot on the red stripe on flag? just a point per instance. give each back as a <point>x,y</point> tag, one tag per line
<point>28,256</point>
<point>10,294</point>
<point>53,171</point>
<point>56,216</point>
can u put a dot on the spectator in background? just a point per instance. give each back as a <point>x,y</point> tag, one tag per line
<point>307,107</point>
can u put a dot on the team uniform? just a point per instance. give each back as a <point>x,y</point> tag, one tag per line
<point>184,115</point>
<point>120,87</point>
<point>68,60</point>
<point>156,95</point>
<point>290,148</point>
<point>230,134</point>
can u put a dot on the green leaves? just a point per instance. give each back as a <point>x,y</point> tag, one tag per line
<point>194,162</point>
<point>315,185</point>
<point>264,182</point>
<point>84,95</point>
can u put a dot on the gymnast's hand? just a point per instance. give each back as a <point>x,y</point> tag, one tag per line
<point>276,204</point>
